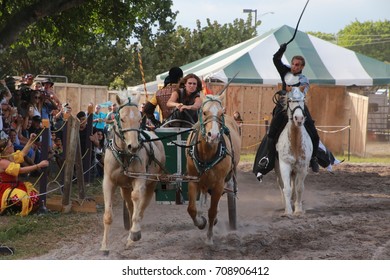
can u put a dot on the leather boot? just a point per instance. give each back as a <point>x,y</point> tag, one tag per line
<point>314,164</point>
<point>268,159</point>
<point>264,161</point>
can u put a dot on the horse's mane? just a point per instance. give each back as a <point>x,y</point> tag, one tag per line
<point>212,98</point>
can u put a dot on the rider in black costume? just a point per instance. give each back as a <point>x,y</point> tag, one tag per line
<point>291,76</point>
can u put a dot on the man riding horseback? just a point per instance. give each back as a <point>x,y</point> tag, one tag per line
<point>291,76</point>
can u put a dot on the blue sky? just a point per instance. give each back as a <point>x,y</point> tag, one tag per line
<point>328,16</point>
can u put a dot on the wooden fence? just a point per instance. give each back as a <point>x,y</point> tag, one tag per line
<point>340,117</point>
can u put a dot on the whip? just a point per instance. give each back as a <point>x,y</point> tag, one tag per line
<point>296,28</point>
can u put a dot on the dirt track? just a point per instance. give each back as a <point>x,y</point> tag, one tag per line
<point>347,217</point>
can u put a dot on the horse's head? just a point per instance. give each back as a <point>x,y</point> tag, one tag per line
<point>296,106</point>
<point>128,122</point>
<point>211,118</point>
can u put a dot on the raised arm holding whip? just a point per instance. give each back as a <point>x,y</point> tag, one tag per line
<point>290,76</point>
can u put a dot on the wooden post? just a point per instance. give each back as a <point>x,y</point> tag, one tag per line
<point>64,143</point>
<point>73,127</point>
<point>87,157</point>
<point>44,156</point>
<point>80,170</point>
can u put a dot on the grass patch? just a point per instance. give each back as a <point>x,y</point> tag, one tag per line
<point>37,234</point>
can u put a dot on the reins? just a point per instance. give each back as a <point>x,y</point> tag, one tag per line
<point>123,156</point>
<point>295,97</point>
<point>222,151</point>
<point>296,108</point>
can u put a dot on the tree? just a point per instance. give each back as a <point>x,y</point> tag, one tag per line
<point>184,46</point>
<point>16,16</point>
<point>89,44</point>
<point>92,41</point>
<point>369,38</point>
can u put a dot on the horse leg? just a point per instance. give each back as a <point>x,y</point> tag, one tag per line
<point>213,211</point>
<point>197,218</point>
<point>140,196</point>
<point>279,181</point>
<point>285,172</point>
<point>299,188</point>
<point>108,192</point>
<point>126,195</point>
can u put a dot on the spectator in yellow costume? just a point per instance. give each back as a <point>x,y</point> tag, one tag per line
<point>17,196</point>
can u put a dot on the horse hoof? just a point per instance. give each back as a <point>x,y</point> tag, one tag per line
<point>286,215</point>
<point>209,242</point>
<point>129,243</point>
<point>106,252</point>
<point>259,177</point>
<point>135,236</point>
<point>204,222</point>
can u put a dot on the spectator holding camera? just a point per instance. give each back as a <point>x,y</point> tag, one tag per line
<point>99,117</point>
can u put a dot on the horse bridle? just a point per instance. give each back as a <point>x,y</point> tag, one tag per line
<point>117,118</point>
<point>220,120</point>
<point>296,108</point>
<point>222,151</point>
<point>119,132</point>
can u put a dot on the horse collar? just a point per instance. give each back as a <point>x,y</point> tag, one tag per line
<point>124,158</point>
<point>203,166</point>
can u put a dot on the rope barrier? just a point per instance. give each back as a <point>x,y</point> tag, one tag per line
<point>58,130</point>
<point>342,128</point>
<point>36,138</point>
<point>334,131</point>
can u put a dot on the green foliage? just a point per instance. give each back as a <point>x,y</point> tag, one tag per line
<point>325,36</point>
<point>92,42</point>
<point>17,229</point>
<point>369,38</point>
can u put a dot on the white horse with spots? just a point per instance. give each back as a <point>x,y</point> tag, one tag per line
<point>295,149</point>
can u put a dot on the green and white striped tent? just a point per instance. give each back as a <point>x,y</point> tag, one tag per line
<point>326,63</point>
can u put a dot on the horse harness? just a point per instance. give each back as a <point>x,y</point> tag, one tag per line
<point>295,98</point>
<point>222,151</point>
<point>124,157</point>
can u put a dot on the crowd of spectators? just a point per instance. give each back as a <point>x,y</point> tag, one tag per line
<point>24,105</point>
<point>26,102</point>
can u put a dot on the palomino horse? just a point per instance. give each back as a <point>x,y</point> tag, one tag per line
<point>213,157</point>
<point>130,150</point>
<point>295,149</point>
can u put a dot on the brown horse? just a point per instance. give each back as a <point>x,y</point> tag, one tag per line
<point>213,157</point>
<point>130,151</point>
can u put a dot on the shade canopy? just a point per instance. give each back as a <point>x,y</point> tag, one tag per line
<point>326,63</point>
